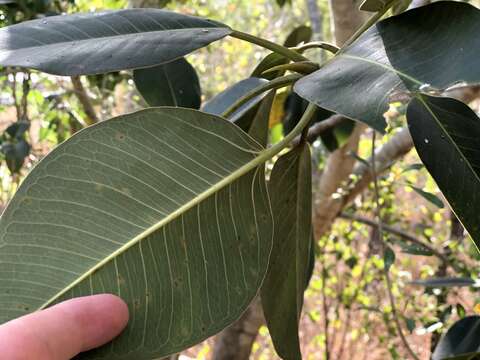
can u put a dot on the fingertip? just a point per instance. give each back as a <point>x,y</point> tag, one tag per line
<point>103,317</point>
<point>65,329</point>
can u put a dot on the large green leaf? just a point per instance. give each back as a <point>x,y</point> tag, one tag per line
<point>244,115</point>
<point>429,47</point>
<point>461,342</point>
<point>282,291</point>
<point>145,206</point>
<point>446,134</point>
<point>173,84</point>
<point>106,41</point>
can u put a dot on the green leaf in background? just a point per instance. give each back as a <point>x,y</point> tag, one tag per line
<point>413,167</point>
<point>444,282</point>
<point>460,310</point>
<point>445,132</point>
<point>172,84</point>
<point>259,128</point>
<point>15,153</point>
<point>93,43</point>
<point>282,291</point>
<point>243,116</point>
<point>18,129</point>
<point>461,342</point>
<point>410,323</point>
<point>145,206</point>
<point>433,46</point>
<point>14,146</point>
<point>388,258</point>
<point>431,198</point>
<point>415,249</point>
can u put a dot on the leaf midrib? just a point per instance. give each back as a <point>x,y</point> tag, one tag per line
<point>117,36</point>
<point>386,67</point>
<point>448,136</point>
<point>243,170</point>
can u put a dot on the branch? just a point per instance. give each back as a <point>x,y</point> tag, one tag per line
<point>84,99</point>
<point>317,129</point>
<point>404,235</point>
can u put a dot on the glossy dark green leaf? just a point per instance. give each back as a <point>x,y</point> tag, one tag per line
<point>15,153</point>
<point>172,84</point>
<point>93,43</point>
<point>431,198</point>
<point>445,133</point>
<point>301,34</point>
<point>242,116</point>
<point>282,291</point>
<point>461,342</point>
<point>145,206</point>
<point>460,310</point>
<point>445,282</point>
<point>259,128</point>
<point>388,258</point>
<point>432,46</point>
<point>18,129</point>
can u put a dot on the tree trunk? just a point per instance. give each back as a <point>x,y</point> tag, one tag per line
<point>236,341</point>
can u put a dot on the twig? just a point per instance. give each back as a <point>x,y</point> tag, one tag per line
<point>25,91</point>
<point>276,83</point>
<point>279,49</point>
<point>371,21</point>
<point>84,99</point>
<point>326,323</point>
<point>315,130</point>
<point>404,235</point>
<point>14,95</point>
<point>386,270</point>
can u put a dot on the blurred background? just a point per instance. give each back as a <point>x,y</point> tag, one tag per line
<point>347,314</point>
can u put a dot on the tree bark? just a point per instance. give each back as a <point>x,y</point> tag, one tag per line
<point>236,341</point>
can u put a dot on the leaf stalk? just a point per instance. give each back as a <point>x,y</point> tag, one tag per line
<point>274,84</point>
<point>277,48</point>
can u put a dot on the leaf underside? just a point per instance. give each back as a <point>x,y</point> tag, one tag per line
<point>431,46</point>
<point>94,43</point>
<point>282,291</point>
<point>143,206</point>
<point>445,132</point>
